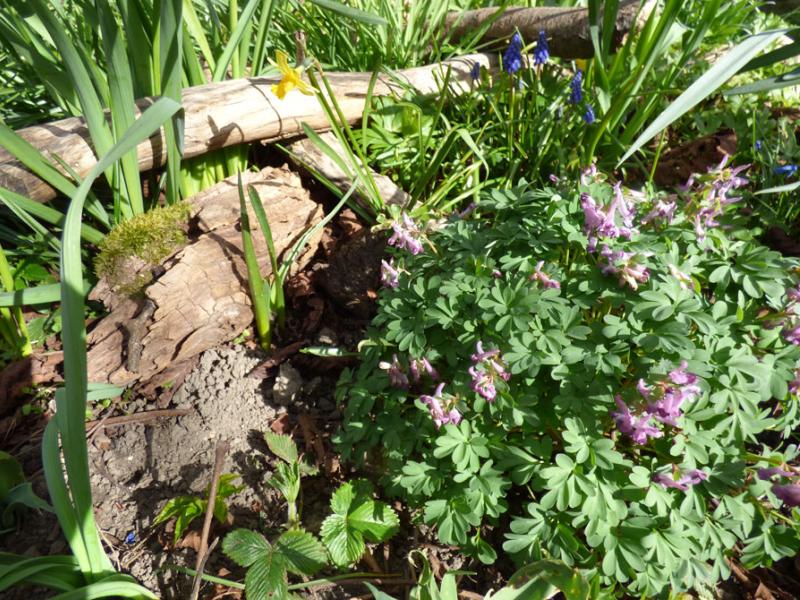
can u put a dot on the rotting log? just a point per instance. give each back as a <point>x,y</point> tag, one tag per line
<point>202,297</point>
<point>567,29</point>
<point>233,112</point>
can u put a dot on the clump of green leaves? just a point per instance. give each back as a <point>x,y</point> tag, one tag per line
<point>185,509</point>
<point>134,246</point>
<point>15,492</point>
<point>356,517</point>
<point>537,340</point>
<point>288,472</point>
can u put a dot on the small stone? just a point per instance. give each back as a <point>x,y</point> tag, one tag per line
<point>287,384</point>
<point>326,337</point>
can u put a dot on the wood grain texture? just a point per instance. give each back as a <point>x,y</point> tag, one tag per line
<point>233,112</point>
<point>202,299</point>
<point>567,29</point>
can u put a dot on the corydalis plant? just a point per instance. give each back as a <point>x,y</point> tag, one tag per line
<point>634,417</point>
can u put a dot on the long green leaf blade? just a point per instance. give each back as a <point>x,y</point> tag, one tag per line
<point>727,66</point>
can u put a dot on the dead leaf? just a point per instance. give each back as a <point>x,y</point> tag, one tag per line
<point>190,540</point>
<point>281,425</point>
<point>276,358</point>
<point>349,223</point>
<point>37,369</point>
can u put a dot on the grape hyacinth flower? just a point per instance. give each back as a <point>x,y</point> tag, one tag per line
<point>588,116</point>
<point>418,366</point>
<point>512,57</point>
<point>785,170</point>
<point>475,72</point>
<point>440,414</point>
<point>390,277</point>
<point>788,494</point>
<point>544,278</point>
<point>636,427</point>
<point>486,368</point>
<point>397,378</point>
<point>542,52</point>
<point>758,145</point>
<point>576,93</point>
<point>406,235</point>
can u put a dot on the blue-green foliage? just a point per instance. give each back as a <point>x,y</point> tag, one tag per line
<point>548,448</point>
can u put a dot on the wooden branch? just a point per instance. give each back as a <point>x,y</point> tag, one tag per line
<point>567,29</point>
<point>224,114</point>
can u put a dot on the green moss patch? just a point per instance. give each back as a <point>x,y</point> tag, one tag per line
<point>132,248</point>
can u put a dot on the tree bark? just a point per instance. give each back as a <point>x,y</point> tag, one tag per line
<point>202,299</point>
<point>567,29</point>
<point>224,114</point>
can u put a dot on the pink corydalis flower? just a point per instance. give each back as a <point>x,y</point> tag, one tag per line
<point>544,278</point>
<point>767,474</point>
<point>636,427</point>
<point>691,478</point>
<point>794,384</point>
<point>390,277</point>
<point>663,211</point>
<point>418,366</point>
<point>397,378</point>
<point>791,333</point>
<point>788,494</point>
<point>406,235</point>
<point>600,222</point>
<point>439,414</point>
<point>665,403</point>
<point>485,370</point>
<point>684,280</point>
<point>625,265</point>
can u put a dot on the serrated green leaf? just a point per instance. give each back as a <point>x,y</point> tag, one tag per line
<point>345,545</point>
<point>303,553</point>
<point>245,547</point>
<point>266,578</point>
<point>281,446</point>
<point>377,521</point>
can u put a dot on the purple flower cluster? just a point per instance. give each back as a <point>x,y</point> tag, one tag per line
<point>419,366</point>
<point>788,493</point>
<point>512,57</point>
<point>794,384</point>
<point>390,277</point>
<point>544,278</point>
<point>442,410</point>
<point>588,115</point>
<point>624,265</point>
<point>475,72</point>
<point>683,483</point>
<point>406,235</point>
<point>486,368</point>
<point>542,51</point>
<point>575,88</point>
<point>663,211</point>
<point>790,318</point>
<point>664,400</point>
<point>397,377</point>
<point>601,222</point>
<point>712,191</point>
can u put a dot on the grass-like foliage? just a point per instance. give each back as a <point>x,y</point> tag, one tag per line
<point>616,369</point>
<point>148,237</point>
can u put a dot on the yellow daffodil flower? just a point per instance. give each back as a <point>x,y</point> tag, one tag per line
<point>290,78</point>
<point>581,64</point>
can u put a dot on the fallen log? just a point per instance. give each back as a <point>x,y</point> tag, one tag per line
<point>567,29</point>
<point>201,298</point>
<point>218,115</point>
